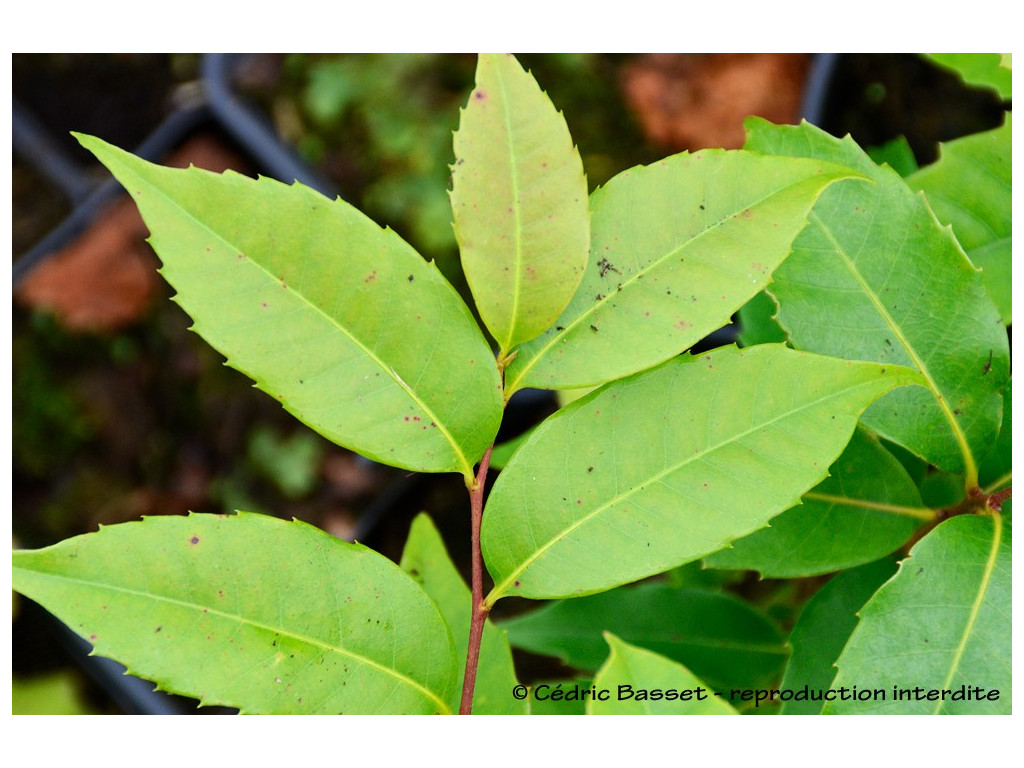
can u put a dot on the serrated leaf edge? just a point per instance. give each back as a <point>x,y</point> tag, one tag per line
<point>465,466</point>
<point>499,588</point>
<point>427,693</point>
<point>516,382</point>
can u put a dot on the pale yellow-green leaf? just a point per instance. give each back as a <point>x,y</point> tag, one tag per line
<point>519,199</point>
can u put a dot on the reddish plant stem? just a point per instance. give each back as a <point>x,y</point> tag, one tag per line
<point>995,500</point>
<point>476,626</point>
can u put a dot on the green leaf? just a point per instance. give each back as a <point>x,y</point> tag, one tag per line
<point>757,322</point>
<point>545,699</point>
<point>997,468</point>
<point>519,198</point>
<point>340,320</point>
<point>426,560</point>
<point>250,612</point>
<point>823,628</point>
<point>55,693</point>
<point>875,277</point>
<point>504,451</point>
<point>292,463</point>
<point>610,490</point>
<point>866,508</point>
<point>942,623</point>
<point>721,638</point>
<point>991,70</point>
<point>970,188</point>
<point>897,154</point>
<point>676,248</point>
<point>630,670</point>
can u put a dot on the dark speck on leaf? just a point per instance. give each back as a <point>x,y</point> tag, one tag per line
<point>593,328</point>
<point>480,95</point>
<point>194,540</point>
<point>606,266</point>
<point>410,278</point>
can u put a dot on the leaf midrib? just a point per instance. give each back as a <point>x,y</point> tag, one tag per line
<point>971,470</point>
<point>972,618</point>
<point>517,214</point>
<point>465,466</point>
<point>500,588</point>
<point>209,610</point>
<point>920,513</point>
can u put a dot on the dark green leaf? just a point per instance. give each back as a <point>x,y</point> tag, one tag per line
<point>822,630</point>
<point>866,508</point>
<point>757,322</point>
<point>997,469</point>
<point>897,154</point>
<point>720,638</point>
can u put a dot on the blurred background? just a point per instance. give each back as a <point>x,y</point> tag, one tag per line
<point>119,411</point>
